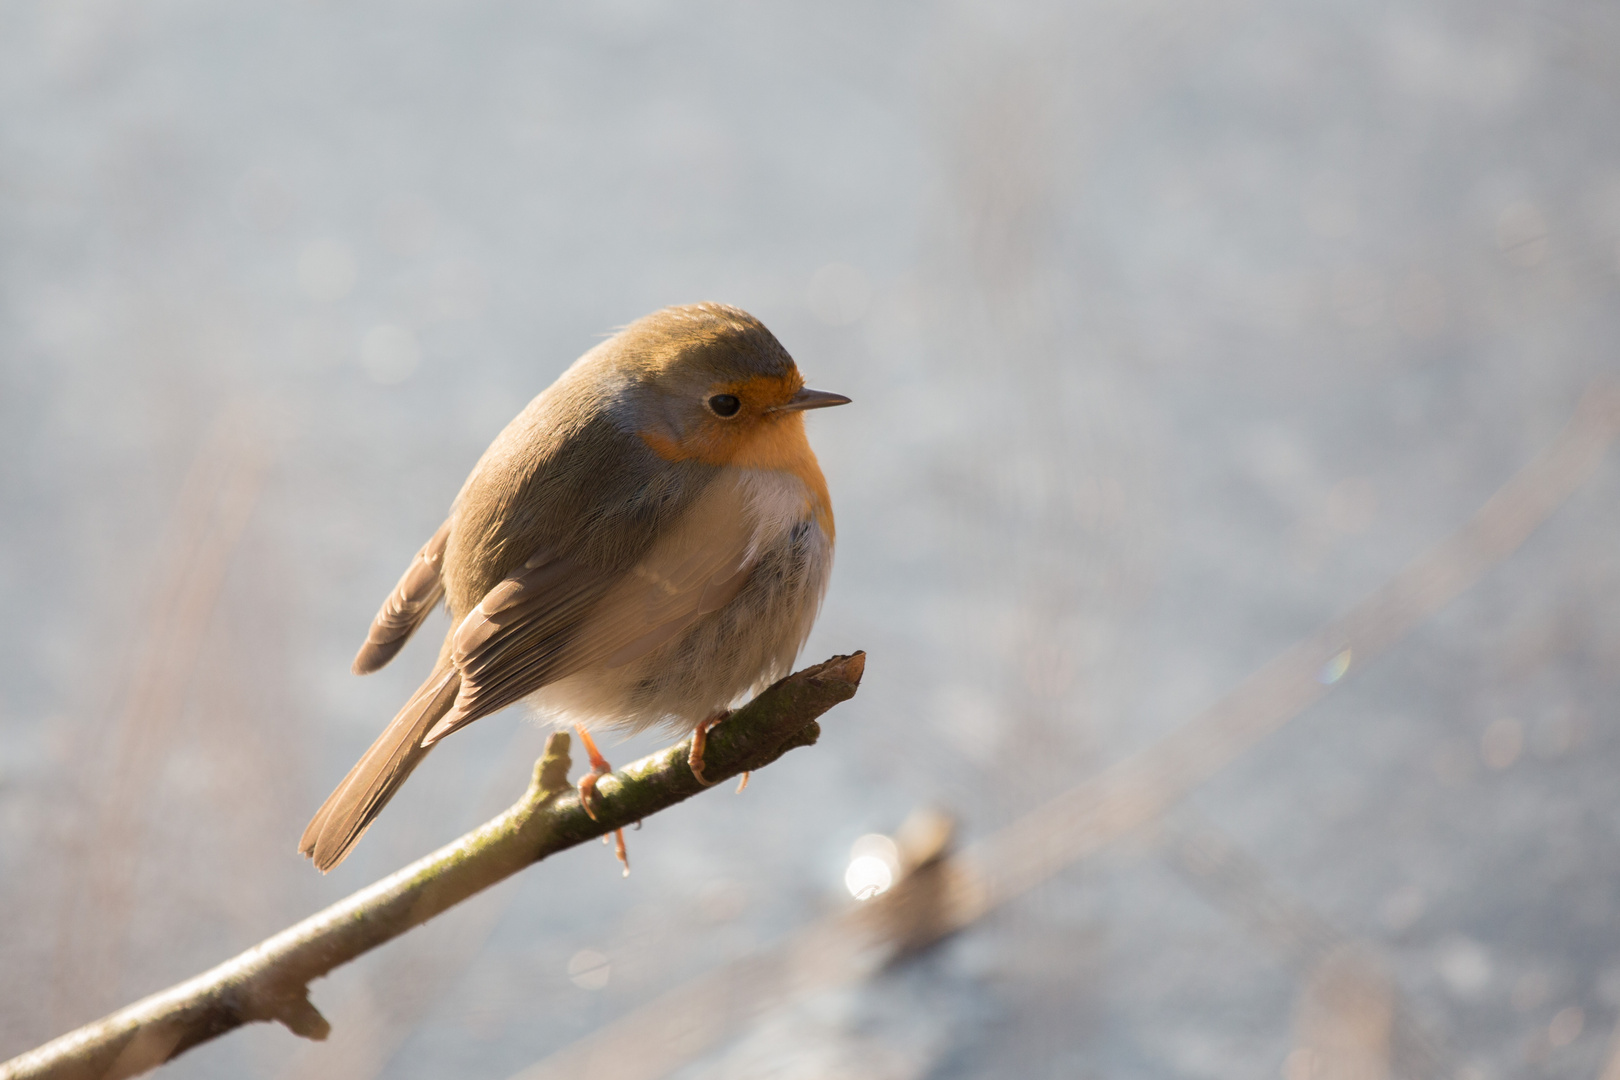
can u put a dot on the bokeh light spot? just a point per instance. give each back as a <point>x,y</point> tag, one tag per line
<point>1566,1026</point>
<point>868,876</point>
<point>1334,669</point>
<point>1465,966</point>
<point>874,864</point>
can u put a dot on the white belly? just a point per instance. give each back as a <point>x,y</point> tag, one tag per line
<point>738,649</point>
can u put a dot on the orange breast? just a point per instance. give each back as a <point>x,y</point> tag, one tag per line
<point>773,442</point>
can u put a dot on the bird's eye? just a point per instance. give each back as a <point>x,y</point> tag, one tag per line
<point>724,405</point>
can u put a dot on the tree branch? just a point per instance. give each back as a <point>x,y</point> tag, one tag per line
<point>271,980</point>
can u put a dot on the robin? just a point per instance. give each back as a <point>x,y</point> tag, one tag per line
<point>646,542</point>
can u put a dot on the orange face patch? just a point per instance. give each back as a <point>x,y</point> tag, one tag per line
<point>764,391</point>
<point>722,440</point>
<point>755,438</point>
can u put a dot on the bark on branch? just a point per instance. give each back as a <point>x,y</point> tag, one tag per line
<point>271,980</point>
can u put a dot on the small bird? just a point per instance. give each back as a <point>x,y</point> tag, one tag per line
<point>646,542</point>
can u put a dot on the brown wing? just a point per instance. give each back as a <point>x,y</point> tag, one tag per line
<point>406,607</point>
<point>340,822</point>
<point>554,617</point>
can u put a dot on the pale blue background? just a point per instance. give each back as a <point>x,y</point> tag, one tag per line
<point>1183,326</point>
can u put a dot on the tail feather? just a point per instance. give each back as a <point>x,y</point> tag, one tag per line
<point>340,822</point>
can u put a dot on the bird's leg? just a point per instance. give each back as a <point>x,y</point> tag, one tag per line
<point>599,769</point>
<point>588,795</point>
<point>700,739</point>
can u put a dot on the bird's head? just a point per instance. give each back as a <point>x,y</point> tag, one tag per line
<point>709,383</point>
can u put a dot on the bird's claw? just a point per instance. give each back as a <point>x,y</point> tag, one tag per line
<point>700,740</point>
<point>587,793</point>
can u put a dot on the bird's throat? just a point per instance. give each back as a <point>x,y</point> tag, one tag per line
<point>776,442</point>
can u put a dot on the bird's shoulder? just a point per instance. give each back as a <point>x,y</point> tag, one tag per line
<point>566,476</point>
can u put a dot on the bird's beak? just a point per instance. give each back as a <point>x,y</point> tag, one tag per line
<point>811,399</point>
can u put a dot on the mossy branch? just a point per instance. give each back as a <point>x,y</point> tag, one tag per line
<point>271,980</point>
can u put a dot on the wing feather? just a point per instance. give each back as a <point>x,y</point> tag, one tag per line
<point>417,592</point>
<point>555,617</point>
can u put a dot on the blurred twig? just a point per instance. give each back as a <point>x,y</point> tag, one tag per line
<point>681,1024</point>
<point>271,980</point>
<point>1234,881</point>
<point>1140,788</point>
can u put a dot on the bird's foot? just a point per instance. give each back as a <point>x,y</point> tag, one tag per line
<point>700,739</point>
<point>588,796</point>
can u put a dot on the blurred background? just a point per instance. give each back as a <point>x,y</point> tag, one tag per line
<point>1174,330</point>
